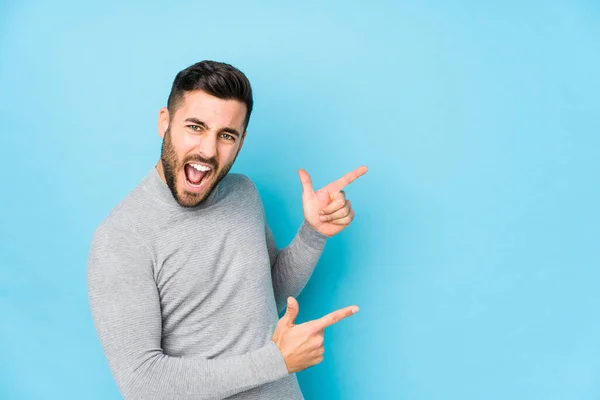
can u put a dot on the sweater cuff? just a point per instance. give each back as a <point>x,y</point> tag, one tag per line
<point>311,237</point>
<point>269,362</point>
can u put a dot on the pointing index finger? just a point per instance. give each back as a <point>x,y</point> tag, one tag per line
<point>334,317</point>
<point>336,186</point>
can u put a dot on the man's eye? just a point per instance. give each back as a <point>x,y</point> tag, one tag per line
<point>227,136</point>
<point>194,127</point>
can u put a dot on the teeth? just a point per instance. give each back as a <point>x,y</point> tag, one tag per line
<point>201,167</point>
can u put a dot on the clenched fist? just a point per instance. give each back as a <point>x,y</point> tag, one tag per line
<point>302,345</point>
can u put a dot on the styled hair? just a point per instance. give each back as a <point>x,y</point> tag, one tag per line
<point>215,78</point>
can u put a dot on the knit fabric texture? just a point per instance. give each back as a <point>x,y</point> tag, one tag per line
<point>185,300</point>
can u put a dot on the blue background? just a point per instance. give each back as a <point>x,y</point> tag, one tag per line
<point>474,255</point>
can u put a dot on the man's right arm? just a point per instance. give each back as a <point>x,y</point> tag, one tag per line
<point>126,312</point>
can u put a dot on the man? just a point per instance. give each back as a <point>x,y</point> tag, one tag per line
<point>184,279</point>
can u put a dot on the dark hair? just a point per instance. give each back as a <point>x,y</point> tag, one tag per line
<point>215,78</point>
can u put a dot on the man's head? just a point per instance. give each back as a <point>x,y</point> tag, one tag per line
<point>203,128</point>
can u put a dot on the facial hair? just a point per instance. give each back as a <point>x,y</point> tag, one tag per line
<point>171,167</point>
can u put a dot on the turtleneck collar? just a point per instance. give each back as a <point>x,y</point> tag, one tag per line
<point>161,192</point>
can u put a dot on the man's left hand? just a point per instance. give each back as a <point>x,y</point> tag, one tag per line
<point>327,209</point>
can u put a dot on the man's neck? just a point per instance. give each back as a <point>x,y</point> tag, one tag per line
<point>160,170</point>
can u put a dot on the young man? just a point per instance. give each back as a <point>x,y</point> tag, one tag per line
<point>184,278</point>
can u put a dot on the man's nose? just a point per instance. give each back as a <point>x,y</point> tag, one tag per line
<point>208,145</point>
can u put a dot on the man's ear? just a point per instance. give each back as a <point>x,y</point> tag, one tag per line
<point>163,121</point>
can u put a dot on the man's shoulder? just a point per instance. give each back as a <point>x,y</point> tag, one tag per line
<point>238,183</point>
<point>124,216</point>
<point>118,219</point>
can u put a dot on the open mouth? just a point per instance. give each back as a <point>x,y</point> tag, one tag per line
<point>196,174</point>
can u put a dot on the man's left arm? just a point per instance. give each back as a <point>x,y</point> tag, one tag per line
<point>292,266</point>
<point>326,213</point>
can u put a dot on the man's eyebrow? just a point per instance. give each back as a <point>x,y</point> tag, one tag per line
<point>202,124</point>
<point>196,121</point>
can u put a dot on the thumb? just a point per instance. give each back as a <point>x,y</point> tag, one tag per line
<point>305,180</point>
<point>291,311</point>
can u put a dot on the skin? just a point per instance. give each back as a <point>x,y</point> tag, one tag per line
<point>210,130</point>
<point>204,129</point>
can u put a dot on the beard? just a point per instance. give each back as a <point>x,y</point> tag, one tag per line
<point>171,168</point>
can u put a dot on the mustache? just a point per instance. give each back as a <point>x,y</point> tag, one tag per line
<point>210,161</point>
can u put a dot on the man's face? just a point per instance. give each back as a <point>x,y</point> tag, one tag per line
<point>200,144</point>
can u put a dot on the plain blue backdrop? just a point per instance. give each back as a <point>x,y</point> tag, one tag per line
<point>474,255</point>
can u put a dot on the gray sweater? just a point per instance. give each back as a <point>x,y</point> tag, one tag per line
<point>185,300</point>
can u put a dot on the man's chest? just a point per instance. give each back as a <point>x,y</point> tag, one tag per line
<point>207,261</point>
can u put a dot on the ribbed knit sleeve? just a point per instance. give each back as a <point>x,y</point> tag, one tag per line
<point>126,312</point>
<point>292,266</point>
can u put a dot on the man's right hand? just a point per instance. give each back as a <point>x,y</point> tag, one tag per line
<point>302,345</point>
